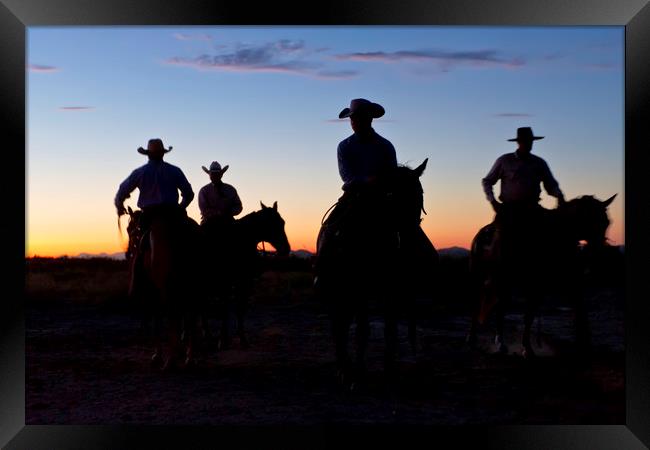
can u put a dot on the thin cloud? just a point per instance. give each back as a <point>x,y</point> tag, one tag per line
<point>192,37</point>
<point>76,108</point>
<point>345,120</point>
<point>508,114</point>
<point>42,69</point>
<point>446,59</point>
<point>287,45</point>
<point>337,74</point>
<point>282,56</point>
<point>246,64</point>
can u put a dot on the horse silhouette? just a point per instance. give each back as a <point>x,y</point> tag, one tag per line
<point>163,259</point>
<point>574,235</point>
<point>231,262</point>
<point>374,249</point>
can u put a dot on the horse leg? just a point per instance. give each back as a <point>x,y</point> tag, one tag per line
<point>192,332</point>
<point>581,322</point>
<point>157,357</point>
<point>499,309</point>
<point>241,308</point>
<point>390,337</point>
<point>175,345</point>
<point>174,329</point>
<point>532,304</point>
<point>341,320</point>
<point>472,336</point>
<point>390,351</point>
<point>361,335</point>
<point>154,318</point>
<point>410,295</point>
<point>412,330</point>
<point>225,300</point>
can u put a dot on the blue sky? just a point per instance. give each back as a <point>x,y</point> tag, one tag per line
<point>265,100</point>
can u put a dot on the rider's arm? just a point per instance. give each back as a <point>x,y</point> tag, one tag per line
<point>235,205</point>
<point>345,167</point>
<point>203,202</point>
<point>490,180</point>
<point>186,190</point>
<point>124,191</point>
<point>550,183</point>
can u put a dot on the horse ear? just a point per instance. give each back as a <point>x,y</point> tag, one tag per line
<point>128,208</point>
<point>419,170</point>
<point>275,205</point>
<point>607,202</point>
<point>263,205</point>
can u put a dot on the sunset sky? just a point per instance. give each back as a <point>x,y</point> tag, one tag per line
<point>265,101</point>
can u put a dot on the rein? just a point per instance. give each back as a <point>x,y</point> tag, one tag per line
<point>119,227</point>
<point>327,212</point>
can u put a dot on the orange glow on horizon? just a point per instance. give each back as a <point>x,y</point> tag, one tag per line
<point>301,239</point>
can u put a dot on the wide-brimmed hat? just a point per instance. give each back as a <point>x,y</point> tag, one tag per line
<point>362,106</point>
<point>215,167</point>
<point>525,134</point>
<point>154,144</point>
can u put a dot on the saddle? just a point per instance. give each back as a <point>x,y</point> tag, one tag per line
<point>341,224</point>
<point>184,229</point>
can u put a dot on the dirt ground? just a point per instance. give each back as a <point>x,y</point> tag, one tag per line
<point>89,364</point>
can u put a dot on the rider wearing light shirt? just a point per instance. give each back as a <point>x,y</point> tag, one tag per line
<point>519,216</point>
<point>218,201</point>
<point>158,183</point>
<point>521,173</point>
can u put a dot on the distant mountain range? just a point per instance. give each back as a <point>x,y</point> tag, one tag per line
<point>302,254</point>
<point>457,252</point>
<point>451,252</point>
<point>117,256</point>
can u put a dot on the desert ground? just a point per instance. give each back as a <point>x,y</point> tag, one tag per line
<point>88,359</point>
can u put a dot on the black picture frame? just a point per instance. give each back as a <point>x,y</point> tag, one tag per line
<point>634,15</point>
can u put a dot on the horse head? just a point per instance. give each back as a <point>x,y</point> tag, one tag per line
<point>406,196</point>
<point>586,217</point>
<point>134,231</point>
<point>271,227</point>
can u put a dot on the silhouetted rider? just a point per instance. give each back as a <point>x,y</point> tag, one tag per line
<point>158,183</point>
<point>219,202</point>
<point>362,158</point>
<point>519,216</point>
<point>365,155</point>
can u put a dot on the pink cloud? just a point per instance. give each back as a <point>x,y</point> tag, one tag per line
<point>282,56</point>
<point>445,58</point>
<point>42,69</point>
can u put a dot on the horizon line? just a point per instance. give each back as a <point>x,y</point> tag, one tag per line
<point>112,255</point>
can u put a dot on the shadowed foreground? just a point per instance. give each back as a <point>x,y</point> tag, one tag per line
<point>88,362</point>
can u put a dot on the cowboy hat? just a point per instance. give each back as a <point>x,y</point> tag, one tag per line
<point>215,167</point>
<point>525,134</point>
<point>361,105</point>
<point>154,144</point>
